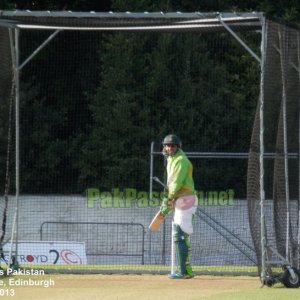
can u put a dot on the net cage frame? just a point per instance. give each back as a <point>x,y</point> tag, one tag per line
<point>56,21</point>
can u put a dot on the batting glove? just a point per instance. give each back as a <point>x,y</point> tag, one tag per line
<point>166,206</point>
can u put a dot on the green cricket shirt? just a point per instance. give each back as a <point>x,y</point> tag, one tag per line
<point>180,176</point>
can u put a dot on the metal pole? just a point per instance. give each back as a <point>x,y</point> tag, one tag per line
<point>151,193</point>
<point>172,251</point>
<point>14,45</point>
<point>17,83</point>
<point>298,52</point>
<point>261,157</point>
<point>164,224</point>
<point>151,171</point>
<point>282,52</point>
<point>239,39</point>
<point>34,53</point>
<point>230,155</point>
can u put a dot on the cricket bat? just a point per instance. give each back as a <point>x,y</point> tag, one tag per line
<point>157,221</point>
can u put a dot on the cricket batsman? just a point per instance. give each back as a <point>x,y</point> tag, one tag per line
<point>182,199</point>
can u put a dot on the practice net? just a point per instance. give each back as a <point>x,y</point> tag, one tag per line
<point>281,137</point>
<point>94,108</point>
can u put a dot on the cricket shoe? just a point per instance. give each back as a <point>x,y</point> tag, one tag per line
<point>180,276</point>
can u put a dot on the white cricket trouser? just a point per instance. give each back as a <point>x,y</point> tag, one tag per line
<point>185,208</point>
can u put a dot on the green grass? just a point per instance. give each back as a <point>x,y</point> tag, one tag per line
<point>143,287</point>
<point>147,269</point>
<point>277,292</point>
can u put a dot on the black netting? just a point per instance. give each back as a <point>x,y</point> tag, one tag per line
<point>93,102</point>
<point>281,136</point>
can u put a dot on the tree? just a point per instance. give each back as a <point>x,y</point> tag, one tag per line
<point>154,84</point>
<point>78,5</point>
<point>95,128</point>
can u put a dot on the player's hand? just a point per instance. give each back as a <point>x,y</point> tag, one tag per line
<point>166,206</point>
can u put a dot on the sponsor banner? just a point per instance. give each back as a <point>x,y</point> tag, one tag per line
<point>56,253</point>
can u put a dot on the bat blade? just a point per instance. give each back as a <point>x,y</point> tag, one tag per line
<point>156,221</point>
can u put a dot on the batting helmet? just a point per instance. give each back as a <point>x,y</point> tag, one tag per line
<point>172,139</point>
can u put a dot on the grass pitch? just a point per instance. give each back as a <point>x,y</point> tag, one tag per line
<point>142,287</point>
